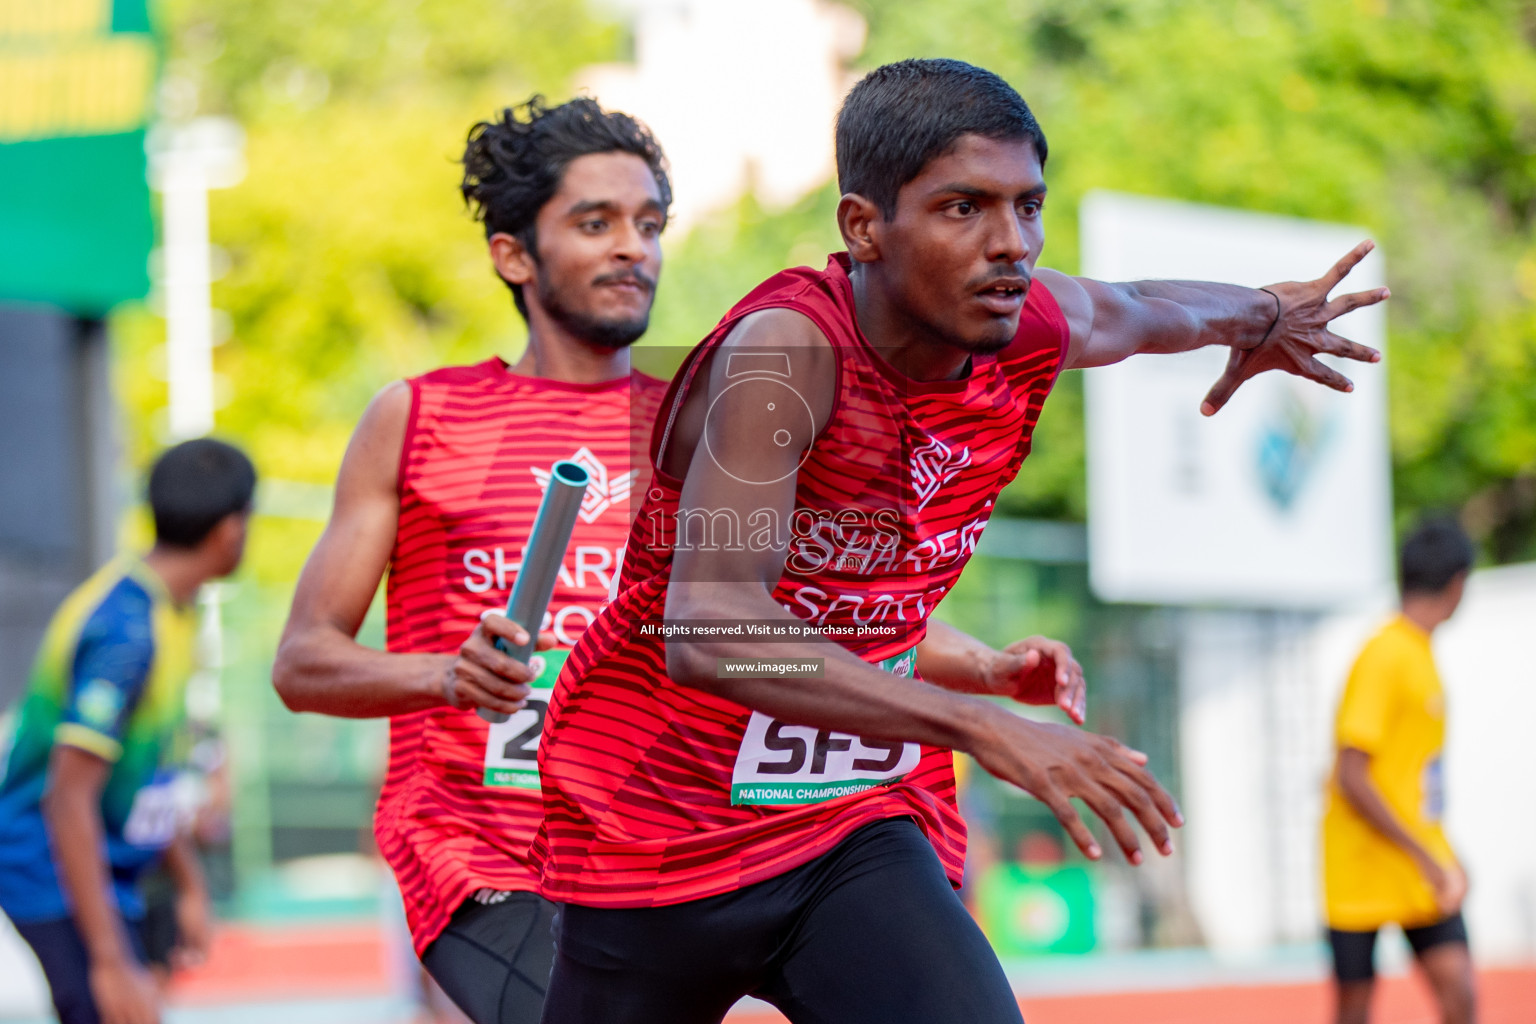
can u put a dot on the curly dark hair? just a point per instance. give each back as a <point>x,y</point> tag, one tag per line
<point>513,165</point>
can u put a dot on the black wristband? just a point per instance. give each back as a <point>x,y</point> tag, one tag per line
<point>1276,320</point>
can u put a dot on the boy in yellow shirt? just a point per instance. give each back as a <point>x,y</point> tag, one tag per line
<point>1385,857</point>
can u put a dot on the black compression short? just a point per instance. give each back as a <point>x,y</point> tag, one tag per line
<point>1354,953</point>
<point>870,933</point>
<point>493,959</point>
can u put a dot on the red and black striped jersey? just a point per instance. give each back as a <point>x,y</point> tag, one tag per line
<point>473,468</point>
<point>658,793</point>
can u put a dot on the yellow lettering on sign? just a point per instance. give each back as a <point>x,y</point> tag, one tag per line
<point>92,86</point>
<point>54,17</point>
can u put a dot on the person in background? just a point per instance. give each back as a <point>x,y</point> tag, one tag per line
<point>1386,859</point>
<point>85,799</point>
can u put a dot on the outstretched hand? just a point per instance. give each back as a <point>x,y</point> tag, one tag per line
<point>1301,334</point>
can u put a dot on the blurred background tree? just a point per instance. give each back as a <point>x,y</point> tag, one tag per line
<point>350,261</point>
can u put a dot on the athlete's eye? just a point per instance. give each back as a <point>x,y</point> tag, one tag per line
<point>650,228</point>
<point>965,208</point>
<point>592,227</point>
<point>1032,208</point>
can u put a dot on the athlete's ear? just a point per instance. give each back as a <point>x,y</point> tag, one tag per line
<point>860,222</point>
<point>512,259</point>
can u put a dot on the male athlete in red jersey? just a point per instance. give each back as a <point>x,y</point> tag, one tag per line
<point>441,483</point>
<point>731,815</point>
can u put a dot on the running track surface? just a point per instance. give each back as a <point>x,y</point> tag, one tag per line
<point>259,965</point>
<point>1507,997</point>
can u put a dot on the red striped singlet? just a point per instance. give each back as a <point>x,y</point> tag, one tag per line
<point>644,798</point>
<point>477,440</point>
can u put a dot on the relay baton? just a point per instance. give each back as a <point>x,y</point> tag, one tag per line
<point>542,556</point>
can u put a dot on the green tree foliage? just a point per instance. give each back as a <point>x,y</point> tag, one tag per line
<point>351,260</point>
<point>348,258</point>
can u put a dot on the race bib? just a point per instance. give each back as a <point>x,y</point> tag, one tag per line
<point>784,765</point>
<point>152,818</point>
<point>1434,790</point>
<point>512,747</point>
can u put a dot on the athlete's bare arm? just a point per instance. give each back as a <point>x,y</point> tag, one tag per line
<point>1111,322</point>
<point>1035,670</point>
<point>194,915</point>
<point>1354,777</point>
<point>735,582</point>
<point>124,991</point>
<point>320,665</point>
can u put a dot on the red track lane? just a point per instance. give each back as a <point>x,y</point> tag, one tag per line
<point>252,964</point>
<point>1506,997</point>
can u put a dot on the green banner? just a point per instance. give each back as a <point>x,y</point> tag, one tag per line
<point>76,82</point>
<point>1026,910</point>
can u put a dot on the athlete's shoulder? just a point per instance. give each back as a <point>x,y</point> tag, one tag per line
<point>1404,639</point>
<point>470,373</point>
<point>116,602</point>
<point>644,385</point>
<point>117,639</point>
<point>818,292</point>
<point>1390,649</point>
<point>1043,328</point>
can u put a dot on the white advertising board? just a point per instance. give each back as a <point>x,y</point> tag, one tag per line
<point>1282,499</point>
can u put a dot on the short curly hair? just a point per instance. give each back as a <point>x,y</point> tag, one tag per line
<point>513,164</point>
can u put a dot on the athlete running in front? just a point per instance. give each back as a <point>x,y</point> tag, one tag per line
<point>728,816</point>
<point>440,485</point>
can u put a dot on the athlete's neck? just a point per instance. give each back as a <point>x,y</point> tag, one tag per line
<point>910,347</point>
<point>182,570</point>
<point>556,355</point>
<point>1428,611</point>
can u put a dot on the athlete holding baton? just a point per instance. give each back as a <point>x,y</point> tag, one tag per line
<point>440,486</point>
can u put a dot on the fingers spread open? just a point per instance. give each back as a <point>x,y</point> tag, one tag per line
<point>1324,374</point>
<point>1341,304</point>
<point>1106,804</point>
<point>1135,797</point>
<point>1351,259</point>
<point>1065,813</point>
<point>1346,349</point>
<point>1224,388</point>
<point>1159,796</point>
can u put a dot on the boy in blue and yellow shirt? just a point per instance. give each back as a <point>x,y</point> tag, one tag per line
<point>85,796</point>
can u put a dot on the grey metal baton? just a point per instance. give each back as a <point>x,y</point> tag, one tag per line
<point>542,556</point>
